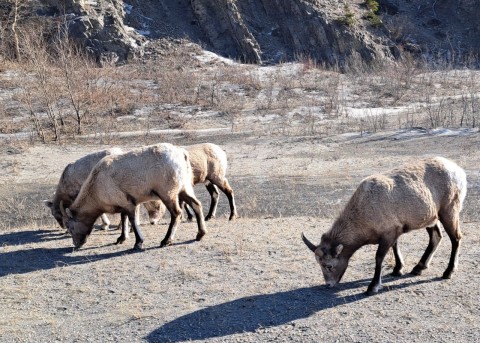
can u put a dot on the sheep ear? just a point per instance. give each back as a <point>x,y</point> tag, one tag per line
<point>65,212</point>
<point>62,208</point>
<point>309,244</point>
<point>339,249</point>
<point>48,203</point>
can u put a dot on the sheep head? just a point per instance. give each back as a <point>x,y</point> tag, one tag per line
<point>78,230</point>
<point>56,213</point>
<point>156,210</point>
<point>330,258</point>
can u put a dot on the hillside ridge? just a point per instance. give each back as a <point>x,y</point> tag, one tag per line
<point>272,31</point>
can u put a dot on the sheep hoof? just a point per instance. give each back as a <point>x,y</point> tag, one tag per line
<point>120,240</point>
<point>207,218</point>
<point>397,273</point>
<point>372,290</point>
<point>165,243</point>
<point>417,270</point>
<point>138,247</point>
<point>447,275</point>
<point>233,216</point>
<point>199,236</point>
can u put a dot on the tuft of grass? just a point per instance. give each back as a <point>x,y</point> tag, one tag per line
<point>372,5</point>
<point>348,17</point>
<point>374,19</point>
<point>372,15</point>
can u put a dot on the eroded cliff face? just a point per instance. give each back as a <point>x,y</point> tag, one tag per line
<point>99,25</point>
<point>223,25</point>
<point>257,31</point>
<point>269,31</point>
<point>287,29</point>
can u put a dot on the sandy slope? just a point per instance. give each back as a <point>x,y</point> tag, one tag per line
<point>250,280</point>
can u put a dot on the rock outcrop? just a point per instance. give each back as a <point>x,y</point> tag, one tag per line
<point>99,27</point>
<point>268,31</point>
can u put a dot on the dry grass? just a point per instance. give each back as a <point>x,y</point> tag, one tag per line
<point>59,102</point>
<point>250,279</point>
<point>292,169</point>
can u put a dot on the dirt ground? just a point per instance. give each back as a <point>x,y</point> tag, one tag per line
<point>248,280</point>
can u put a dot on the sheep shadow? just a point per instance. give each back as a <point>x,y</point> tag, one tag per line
<point>39,236</point>
<point>30,237</point>
<point>33,259</point>
<point>248,314</point>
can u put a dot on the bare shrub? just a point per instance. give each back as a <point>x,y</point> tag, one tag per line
<point>374,122</point>
<point>180,86</point>
<point>470,102</point>
<point>12,14</point>
<point>40,92</point>
<point>78,71</point>
<point>62,89</point>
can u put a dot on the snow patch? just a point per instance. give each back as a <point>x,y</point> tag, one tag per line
<point>210,57</point>
<point>128,8</point>
<point>200,132</point>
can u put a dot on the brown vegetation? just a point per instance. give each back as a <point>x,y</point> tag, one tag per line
<point>299,138</point>
<point>65,95</point>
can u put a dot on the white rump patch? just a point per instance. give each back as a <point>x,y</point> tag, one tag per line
<point>176,159</point>
<point>221,156</point>
<point>457,175</point>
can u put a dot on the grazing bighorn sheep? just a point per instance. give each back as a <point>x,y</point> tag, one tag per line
<point>75,174</point>
<point>385,206</point>
<point>118,183</point>
<point>209,166</point>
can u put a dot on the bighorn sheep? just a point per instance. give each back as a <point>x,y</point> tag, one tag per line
<point>209,166</point>
<point>75,174</point>
<point>385,206</point>
<point>118,183</point>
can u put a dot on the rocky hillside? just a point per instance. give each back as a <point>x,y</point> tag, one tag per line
<point>269,31</point>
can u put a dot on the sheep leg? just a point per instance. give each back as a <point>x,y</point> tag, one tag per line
<point>191,201</point>
<point>376,284</point>
<point>225,188</point>
<point>212,189</point>
<point>399,263</point>
<point>105,221</point>
<point>137,215</point>
<point>125,229</point>
<point>435,238</point>
<point>175,215</point>
<point>189,213</point>
<point>136,230</point>
<point>452,227</point>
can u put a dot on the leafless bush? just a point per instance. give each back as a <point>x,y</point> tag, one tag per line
<point>66,95</point>
<point>180,86</point>
<point>374,122</point>
<point>470,102</point>
<point>40,93</point>
<point>77,74</point>
<point>62,89</point>
<point>12,14</point>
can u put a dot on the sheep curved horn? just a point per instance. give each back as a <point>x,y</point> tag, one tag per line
<point>62,209</point>
<point>309,244</point>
